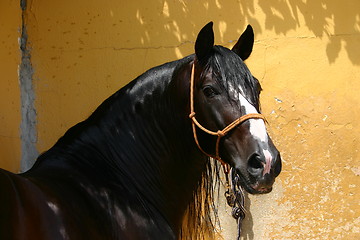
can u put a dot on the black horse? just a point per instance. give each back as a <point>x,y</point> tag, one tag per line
<point>135,169</point>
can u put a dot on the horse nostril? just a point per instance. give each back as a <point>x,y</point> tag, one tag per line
<point>255,162</point>
<point>277,167</point>
<point>255,165</point>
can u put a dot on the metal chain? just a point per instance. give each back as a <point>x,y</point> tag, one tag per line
<point>235,198</point>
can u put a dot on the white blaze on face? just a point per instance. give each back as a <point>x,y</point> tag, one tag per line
<point>257,126</point>
<point>258,130</point>
<point>268,160</point>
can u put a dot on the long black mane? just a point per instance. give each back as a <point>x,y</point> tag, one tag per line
<point>128,144</point>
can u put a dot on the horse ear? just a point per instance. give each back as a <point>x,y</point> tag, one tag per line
<point>204,42</point>
<point>244,45</point>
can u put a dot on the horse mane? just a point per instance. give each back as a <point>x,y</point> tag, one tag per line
<point>201,218</point>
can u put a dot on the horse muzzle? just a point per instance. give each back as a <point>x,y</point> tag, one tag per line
<point>262,170</point>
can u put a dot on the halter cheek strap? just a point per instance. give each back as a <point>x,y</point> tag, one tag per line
<point>219,133</point>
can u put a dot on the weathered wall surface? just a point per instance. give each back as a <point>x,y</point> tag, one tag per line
<point>306,55</point>
<point>10,24</point>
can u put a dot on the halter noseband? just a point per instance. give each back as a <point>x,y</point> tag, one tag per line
<point>219,133</point>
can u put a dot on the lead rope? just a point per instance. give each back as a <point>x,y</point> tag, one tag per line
<point>235,198</point>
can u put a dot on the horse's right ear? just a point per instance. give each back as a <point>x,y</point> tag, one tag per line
<point>204,42</point>
<point>244,45</point>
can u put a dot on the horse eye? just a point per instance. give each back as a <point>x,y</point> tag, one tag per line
<point>209,91</point>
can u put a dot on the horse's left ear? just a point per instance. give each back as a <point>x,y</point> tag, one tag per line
<point>244,45</point>
<point>204,42</point>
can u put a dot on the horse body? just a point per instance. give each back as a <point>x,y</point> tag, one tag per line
<point>131,170</point>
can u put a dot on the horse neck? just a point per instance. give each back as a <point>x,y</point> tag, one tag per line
<point>165,146</point>
<point>141,138</point>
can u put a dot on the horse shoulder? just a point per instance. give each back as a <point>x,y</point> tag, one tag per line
<point>136,219</point>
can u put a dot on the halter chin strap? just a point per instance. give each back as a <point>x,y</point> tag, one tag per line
<point>219,133</point>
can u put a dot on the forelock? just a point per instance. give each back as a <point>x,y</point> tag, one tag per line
<point>233,75</point>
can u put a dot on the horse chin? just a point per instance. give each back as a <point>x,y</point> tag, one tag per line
<point>252,188</point>
<point>262,190</point>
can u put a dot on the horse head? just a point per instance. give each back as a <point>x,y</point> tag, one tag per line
<point>225,99</point>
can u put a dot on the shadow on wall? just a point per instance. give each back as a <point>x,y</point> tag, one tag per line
<point>179,22</point>
<point>337,21</point>
<point>174,25</point>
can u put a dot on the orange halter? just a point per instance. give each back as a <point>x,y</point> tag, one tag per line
<point>219,133</point>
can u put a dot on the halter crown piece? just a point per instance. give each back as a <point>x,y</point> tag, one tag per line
<point>234,194</point>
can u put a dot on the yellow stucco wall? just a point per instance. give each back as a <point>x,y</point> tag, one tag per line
<point>306,55</point>
<point>10,23</point>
